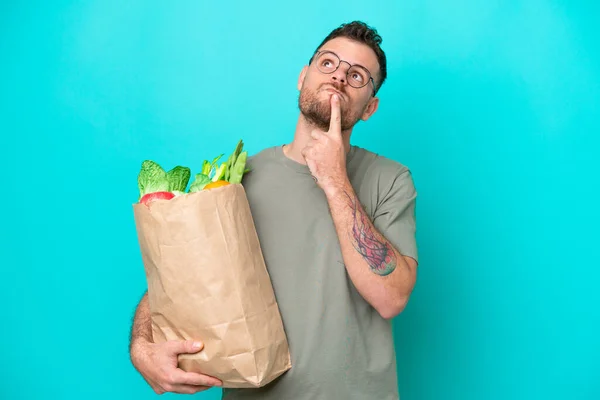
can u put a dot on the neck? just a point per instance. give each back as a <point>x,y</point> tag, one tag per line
<point>293,150</point>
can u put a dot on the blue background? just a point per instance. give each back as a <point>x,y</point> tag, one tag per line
<point>493,105</point>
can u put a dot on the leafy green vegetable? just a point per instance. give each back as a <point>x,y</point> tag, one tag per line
<point>229,164</point>
<point>237,172</point>
<point>209,169</point>
<point>220,173</point>
<point>217,158</point>
<point>200,181</point>
<point>178,178</point>
<point>152,178</point>
<point>236,154</point>
<point>205,168</point>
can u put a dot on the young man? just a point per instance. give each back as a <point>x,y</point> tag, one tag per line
<point>337,228</point>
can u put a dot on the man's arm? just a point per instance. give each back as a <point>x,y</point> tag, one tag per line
<point>158,363</point>
<point>383,276</point>
<point>141,329</point>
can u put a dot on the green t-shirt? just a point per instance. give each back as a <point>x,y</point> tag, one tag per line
<point>341,348</point>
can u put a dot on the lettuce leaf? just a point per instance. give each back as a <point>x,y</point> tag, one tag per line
<point>200,181</point>
<point>178,178</point>
<point>152,178</point>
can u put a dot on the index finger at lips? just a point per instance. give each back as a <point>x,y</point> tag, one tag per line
<point>335,124</point>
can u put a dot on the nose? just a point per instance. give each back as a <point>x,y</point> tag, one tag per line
<point>340,74</point>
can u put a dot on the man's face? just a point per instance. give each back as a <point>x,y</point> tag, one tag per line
<point>317,87</point>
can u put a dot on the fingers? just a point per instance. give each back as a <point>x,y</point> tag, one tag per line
<point>160,370</point>
<point>180,377</point>
<point>184,346</point>
<point>335,124</point>
<point>180,381</point>
<point>187,389</point>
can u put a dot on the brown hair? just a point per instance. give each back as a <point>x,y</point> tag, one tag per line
<point>362,33</point>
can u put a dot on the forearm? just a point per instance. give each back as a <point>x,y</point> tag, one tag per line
<point>379,272</point>
<point>141,330</point>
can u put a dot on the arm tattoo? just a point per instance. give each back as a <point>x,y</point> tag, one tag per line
<point>378,253</point>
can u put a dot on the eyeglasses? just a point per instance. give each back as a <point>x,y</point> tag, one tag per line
<point>357,76</point>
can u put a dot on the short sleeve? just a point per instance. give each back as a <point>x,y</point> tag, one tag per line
<point>395,214</point>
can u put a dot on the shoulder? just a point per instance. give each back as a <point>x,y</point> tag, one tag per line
<point>262,156</point>
<point>261,165</point>
<point>383,171</point>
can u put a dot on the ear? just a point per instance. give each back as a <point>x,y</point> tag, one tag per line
<point>301,77</point>
<point>370,109</point>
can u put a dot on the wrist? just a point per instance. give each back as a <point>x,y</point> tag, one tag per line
<point>335,188</point>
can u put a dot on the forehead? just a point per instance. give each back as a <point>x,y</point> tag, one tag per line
<point>353,52</point>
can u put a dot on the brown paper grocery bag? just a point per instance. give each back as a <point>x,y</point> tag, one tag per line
<point>207,280</point>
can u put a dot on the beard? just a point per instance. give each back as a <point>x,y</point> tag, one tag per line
<point>318,112</point>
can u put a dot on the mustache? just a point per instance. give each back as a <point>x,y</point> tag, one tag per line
<point>334,85</point>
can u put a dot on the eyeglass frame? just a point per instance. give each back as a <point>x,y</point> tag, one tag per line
<point>317,53</point>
